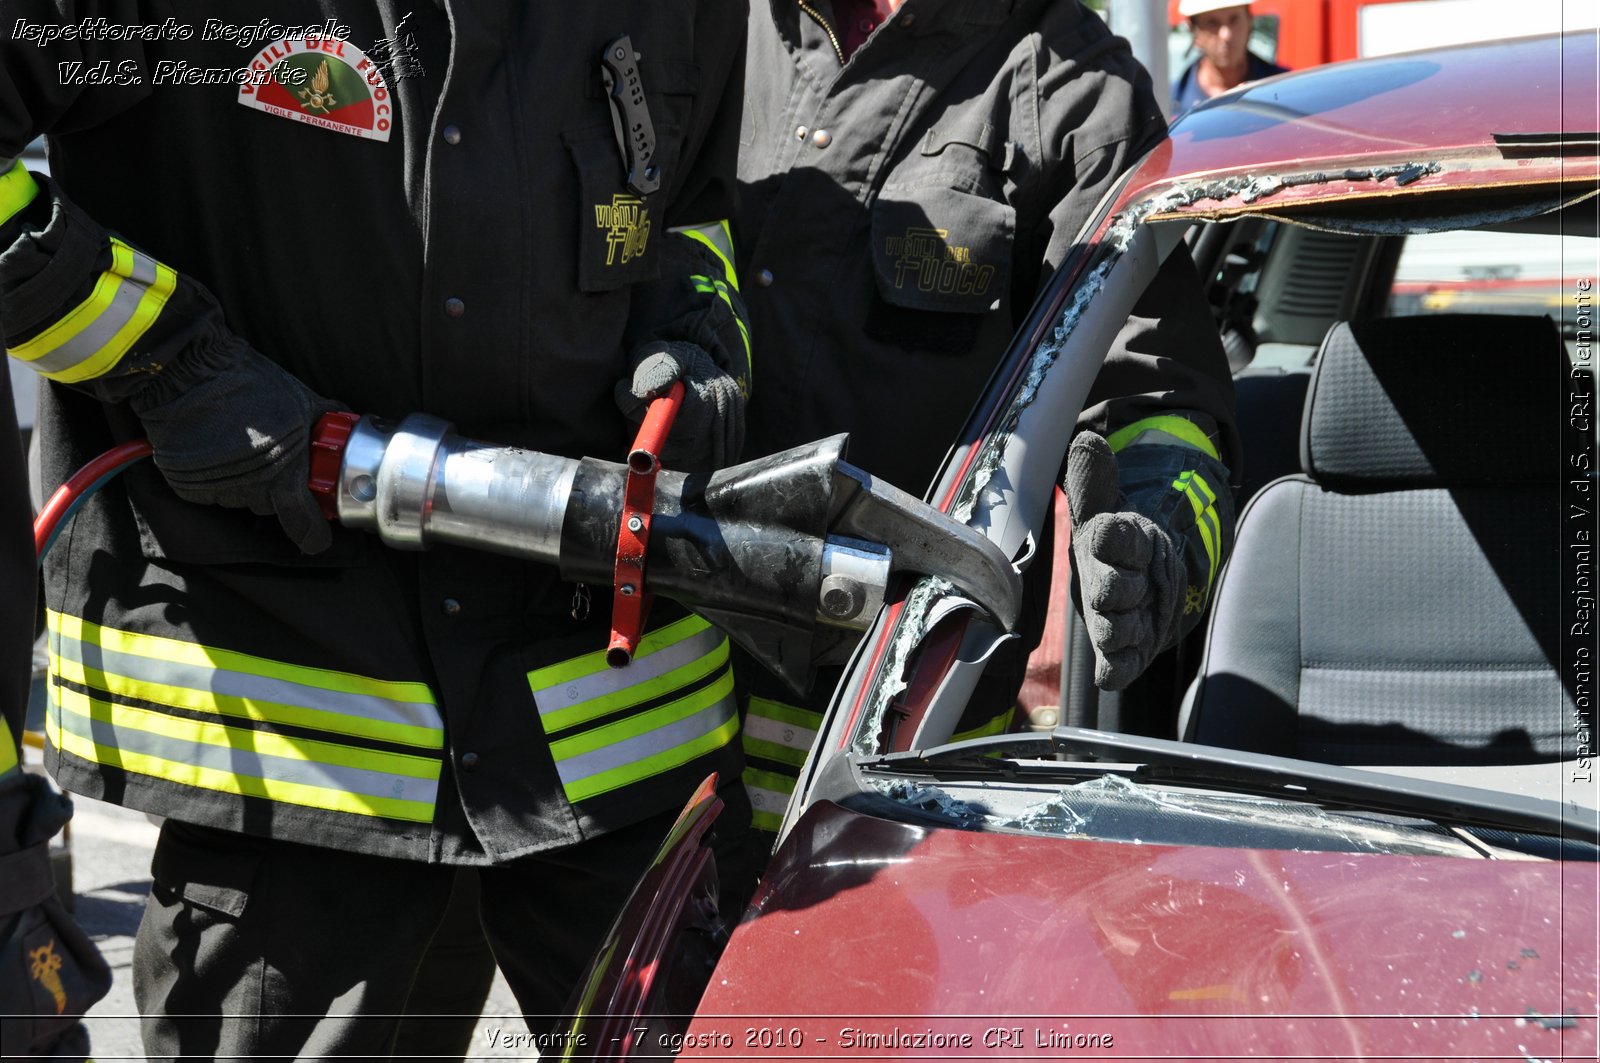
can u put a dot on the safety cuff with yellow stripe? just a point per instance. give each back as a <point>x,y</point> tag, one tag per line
<point>717,280</point>
<point>1169,470</point>
<point>81,305</point>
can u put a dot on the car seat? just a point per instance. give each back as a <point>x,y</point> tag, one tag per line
<point>1398,601</point>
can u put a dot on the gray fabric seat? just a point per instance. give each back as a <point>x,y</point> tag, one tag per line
<point>1397,602</point>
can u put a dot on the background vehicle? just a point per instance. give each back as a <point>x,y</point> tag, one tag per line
<point>1392,856</point>
<point>1306,33</point>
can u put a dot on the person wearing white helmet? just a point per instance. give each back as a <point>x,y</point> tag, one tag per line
<point>1221,31</point>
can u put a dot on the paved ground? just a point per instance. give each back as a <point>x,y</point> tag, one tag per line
<point>111,875</point>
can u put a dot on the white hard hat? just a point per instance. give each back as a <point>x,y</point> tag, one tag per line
<point>1191,8</point>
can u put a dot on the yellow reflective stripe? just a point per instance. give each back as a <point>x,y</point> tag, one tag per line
<point>777,710</point>
<point>233,781</point>
<point>1180,428</point>
<point>1215,524</point>
<point>769,780</point>
<point>93,336</point>
<point>634,726</point>
<point>756,747</point>
<point>8,750</point>
<point>594,663</point>
<point>664,760</point>
<point>263,743</point>
<point>778,732</point>
<point>769,793</point>
<point>707,286</point>
<point>639,692</point>
<point>744,334</point>
<point>996,725</point>
<point>719,238</point>
<point>180,674</point>
<point>181,652</point>
<point>196,700</point>
<point>1192,484</point>
<point>17,190</point>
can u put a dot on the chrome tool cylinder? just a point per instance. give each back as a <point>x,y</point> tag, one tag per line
<point>417,483</point>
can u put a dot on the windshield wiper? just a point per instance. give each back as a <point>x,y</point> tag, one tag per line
<point>1163,760</point>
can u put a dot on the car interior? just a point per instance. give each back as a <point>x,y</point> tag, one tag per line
<point>1393,596</point>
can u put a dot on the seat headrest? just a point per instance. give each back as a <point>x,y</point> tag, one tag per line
<point>1445,400</point>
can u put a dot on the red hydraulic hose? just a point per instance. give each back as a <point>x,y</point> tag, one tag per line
<point>79,486</point>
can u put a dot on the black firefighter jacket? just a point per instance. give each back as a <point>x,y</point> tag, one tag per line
<point>421,207</point>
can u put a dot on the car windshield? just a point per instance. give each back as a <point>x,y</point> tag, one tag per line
<point>1075,781</point>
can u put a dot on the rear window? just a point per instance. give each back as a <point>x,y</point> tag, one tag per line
<point>1476,272</point>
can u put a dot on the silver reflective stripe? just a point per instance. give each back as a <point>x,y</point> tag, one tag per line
<point>238,761</point>
<point>107,323</point>
<point>560,696</point>
<point>640,747</point>
<point>765,800</point>
<point>780,732</point>
<point>255,688</point>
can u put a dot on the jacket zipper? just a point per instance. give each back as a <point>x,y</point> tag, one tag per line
<point>819,20</point>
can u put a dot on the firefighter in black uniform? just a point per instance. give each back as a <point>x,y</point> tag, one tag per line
<point>911,174</point>
<point>393,207</point>
<point>49,970</point>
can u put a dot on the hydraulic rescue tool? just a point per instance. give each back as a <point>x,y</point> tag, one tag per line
<point>775,551</point>
<point>790,554</point>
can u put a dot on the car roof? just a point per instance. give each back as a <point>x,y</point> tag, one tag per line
<point>1519,113</point>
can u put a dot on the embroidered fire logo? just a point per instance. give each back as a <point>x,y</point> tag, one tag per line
<point>926,257</point>
<point>626,221</point>
<point>46,970</point>
<point>317,98</point>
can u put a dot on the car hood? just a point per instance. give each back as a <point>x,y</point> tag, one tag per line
<point>877,937</point>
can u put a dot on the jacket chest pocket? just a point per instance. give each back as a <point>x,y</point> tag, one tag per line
<point>619,231</point>
<point>942,232</point>
<point>940,249</point>
<point>942,262</point>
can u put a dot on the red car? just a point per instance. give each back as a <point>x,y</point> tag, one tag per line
<point>1365,828</point>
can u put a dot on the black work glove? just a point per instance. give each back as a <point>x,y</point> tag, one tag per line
<point>230,427</point>
<point>1144,554</point>
<point>709,431</point>
<point>50,972</point>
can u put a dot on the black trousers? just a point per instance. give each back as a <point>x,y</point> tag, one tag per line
<point>251,948</point>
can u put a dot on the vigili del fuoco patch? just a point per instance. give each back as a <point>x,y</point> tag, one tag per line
<point>325,82</point>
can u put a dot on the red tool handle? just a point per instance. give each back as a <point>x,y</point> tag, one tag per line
<point>630,604</point>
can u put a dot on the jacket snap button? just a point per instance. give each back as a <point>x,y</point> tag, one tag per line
<point>451,134</point>
<point>454,307</point>
<point>469,762</point>
<point>822,138</point>
<point>764,278</point>
<point>800,132</point>
<point>450,607</point>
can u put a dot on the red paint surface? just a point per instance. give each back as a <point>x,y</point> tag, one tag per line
<point>1173,952</point>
